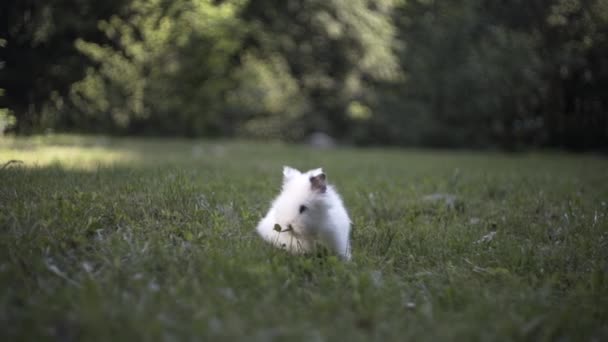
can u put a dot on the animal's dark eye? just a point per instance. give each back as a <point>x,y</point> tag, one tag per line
<point>303,208</point>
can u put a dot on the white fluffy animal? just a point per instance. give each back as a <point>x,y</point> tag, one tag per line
<point>307,211</point>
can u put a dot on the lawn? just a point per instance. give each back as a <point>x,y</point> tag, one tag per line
<point>151,239</point>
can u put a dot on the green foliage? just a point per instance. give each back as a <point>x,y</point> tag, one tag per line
<point>474,73</point>
<point>38,60</point>
<point>268,102</point>
<point>479,73</point>
<point>160,244</point>
<point>168,68</point>
<point>467,80</point>
<point>7,120</point>
<point>200,68</point>
<point>330,48</point>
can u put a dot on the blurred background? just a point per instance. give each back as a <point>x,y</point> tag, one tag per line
<point>466,73</point>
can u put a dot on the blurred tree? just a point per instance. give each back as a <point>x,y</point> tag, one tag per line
<point>167,71</point>
<point>330,49</point>
<point>474,73</point>
<point>267,101</point>
<point>571,108</point>
<point>39,61</point>
<point>483,73</point>
<point>466,77</point>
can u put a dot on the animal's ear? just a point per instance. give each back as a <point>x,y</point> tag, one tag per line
<point>289,172</point>
<point>315,172</point>
<point>318,183</point>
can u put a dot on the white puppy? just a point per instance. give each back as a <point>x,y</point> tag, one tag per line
<point>307,210</point>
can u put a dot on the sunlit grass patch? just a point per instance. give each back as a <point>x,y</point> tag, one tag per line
<point>68,152</point>
<point>72,157</point>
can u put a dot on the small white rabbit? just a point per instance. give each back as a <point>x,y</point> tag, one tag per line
<point>307,210</point>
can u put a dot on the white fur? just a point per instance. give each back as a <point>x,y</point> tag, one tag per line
<point>324,221</point>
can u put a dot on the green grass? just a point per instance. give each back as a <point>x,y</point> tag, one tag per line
<point>125,239</point>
